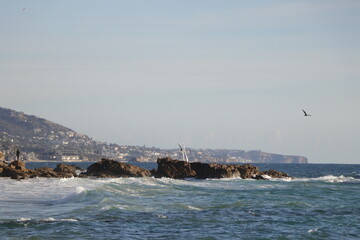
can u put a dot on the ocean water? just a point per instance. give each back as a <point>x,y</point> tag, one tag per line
<point>322,202</point>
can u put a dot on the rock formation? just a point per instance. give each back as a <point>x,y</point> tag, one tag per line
<point>46,172</point>
<point>17,170</point>
<point>167,167</point>
<point>65,170</point>
<point>274,174</point>
<point>174,169</point>
<point>107,168</point>
<point>180,169</point>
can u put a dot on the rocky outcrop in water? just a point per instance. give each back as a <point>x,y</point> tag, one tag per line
<point>17,170</point>
<point>215,170</point>
<point>167,167</point>
<point>180,169</point>
<point>174,169</point>
<point>14,170</point>
<point>65,170</point>
<point>46,172</point>
<point>107,168</point>
<point>273,174</point>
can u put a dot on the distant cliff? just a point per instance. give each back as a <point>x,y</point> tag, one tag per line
<point>241,156</point>
<point>263,157</point>
<point>38,138</point>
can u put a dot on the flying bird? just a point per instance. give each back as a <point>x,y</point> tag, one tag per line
<point>305,114</point>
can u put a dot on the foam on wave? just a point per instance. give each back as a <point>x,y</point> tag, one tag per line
<point>327,178</point>
<point>70,197</point>
<point>26,220</point>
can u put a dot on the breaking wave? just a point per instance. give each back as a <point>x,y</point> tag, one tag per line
<point>327,178</point>
<point>71,197</point>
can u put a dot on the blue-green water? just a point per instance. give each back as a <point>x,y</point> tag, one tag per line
<point>322,202</point>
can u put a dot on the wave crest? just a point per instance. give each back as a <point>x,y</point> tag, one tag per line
<point>70,197</point>
<point>327,178</point>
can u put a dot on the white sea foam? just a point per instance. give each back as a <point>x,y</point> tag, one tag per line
<point>194,208</point>
<point>266,176</point>
<point>50,219</point>
<point>68,220</point>
<point>313,230</point>
<point>161,216</point>
<point>252,213</point>
<point>23,219</point>
<point>328,178</point>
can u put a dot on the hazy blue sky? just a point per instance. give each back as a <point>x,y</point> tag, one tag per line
<point>210,74</point>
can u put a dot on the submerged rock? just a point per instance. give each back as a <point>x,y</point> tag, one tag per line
<point>107,168</point>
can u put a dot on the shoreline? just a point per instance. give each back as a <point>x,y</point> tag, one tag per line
<point>55,161</point>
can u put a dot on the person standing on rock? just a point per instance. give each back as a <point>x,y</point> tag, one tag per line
<point>17,154</point>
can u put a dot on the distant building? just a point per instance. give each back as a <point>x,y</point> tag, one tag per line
<point>70,158</point>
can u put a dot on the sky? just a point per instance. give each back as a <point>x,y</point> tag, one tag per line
<point>204,73</point>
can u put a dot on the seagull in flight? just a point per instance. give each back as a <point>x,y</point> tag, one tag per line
<point>305,114</point>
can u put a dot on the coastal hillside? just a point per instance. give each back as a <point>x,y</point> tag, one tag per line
<point>42,139</point>
<point>38,138</point>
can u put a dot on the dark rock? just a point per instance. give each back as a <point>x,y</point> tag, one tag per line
<point>65,170</point>
<point>274,174</point>
<point>112,168</point>
<point>153,172</point>
<point>247,170</point>
<point>167,167</point>
<point>17,165</point>
<point>170,168</point>
<point>2,166</point>
<point>96,167</point>
<point>46,172</point>
<point>14,173</point>
<point>14,170</point>
<point>214,170</point>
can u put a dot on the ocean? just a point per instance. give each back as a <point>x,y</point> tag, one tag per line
<point>321,202</point>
